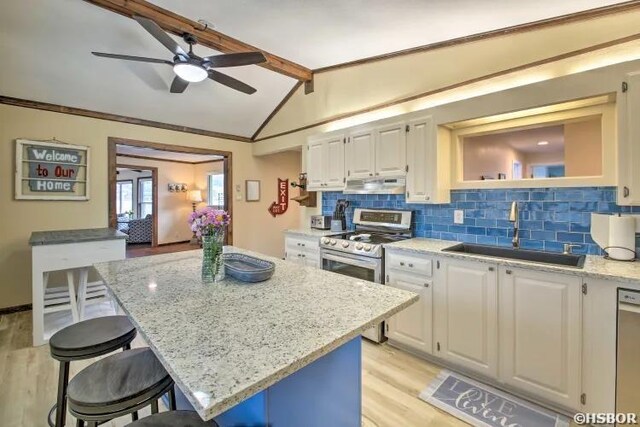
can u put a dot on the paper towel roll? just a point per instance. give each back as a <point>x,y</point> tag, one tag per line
<point>622,238</point>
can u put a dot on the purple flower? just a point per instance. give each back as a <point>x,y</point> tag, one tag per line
<point>208,220</point>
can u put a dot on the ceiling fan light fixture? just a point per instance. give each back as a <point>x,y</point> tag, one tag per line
<point>190,72</point>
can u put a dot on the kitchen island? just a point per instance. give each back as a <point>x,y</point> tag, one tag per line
<point>284,352</point>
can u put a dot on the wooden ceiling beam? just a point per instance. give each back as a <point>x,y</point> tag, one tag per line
<point>178,25</point>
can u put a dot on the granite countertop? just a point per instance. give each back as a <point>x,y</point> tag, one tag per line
<point>224,342</point>
<point>594,266</point>
<point>57,237</point>
<point>311,232</point>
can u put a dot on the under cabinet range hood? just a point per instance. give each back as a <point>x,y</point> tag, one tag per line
<point>376,186</point>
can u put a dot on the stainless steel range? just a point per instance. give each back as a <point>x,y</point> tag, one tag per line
<point>360,253</point>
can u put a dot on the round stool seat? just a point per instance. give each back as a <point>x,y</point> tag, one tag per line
<point>91,338</point>
<point>118,383</point>
<point>173,419</point>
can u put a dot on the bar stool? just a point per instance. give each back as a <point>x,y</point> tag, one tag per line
<point>118,385</point>
<point>173,419</point>
<point>85,340</point>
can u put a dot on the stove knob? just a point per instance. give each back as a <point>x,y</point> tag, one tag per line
<point>332,242</point>
<point>325,241</point>
<point>345,244</point>
<point>367,248</point>
<point>359,246</point>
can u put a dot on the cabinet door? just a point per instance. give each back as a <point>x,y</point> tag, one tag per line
<point>391,149</point>
<point>295,256</point>
<point>413,325</point>
<point>629,142</point>
<point>540,334</point>
<point>420,132</point>
<point>361,154</point>
<point>315,164</point>
<point>334,163</point>
<point>468,332</point>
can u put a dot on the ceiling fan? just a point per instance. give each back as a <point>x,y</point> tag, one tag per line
<point>189,67</point>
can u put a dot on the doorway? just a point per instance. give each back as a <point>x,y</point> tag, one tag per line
<point>161,180</point>
<point>137,204</point>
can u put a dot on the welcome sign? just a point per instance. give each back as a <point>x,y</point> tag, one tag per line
<point>51,171</point>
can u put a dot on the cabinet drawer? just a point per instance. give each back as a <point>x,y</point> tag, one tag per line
<point>413,264</point>
<point>302,244</point>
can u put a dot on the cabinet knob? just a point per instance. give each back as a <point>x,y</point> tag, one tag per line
<point>491,269</point>
<point>370,174</point>
<point>426,285</point>
<point>411,265</point>
<point>508,271</point>
<point>402,264</point>
<point>626,191</point>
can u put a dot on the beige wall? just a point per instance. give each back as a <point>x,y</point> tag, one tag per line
<point>583,148</point>
<point>173,207</point>
<point>370,85</point>
<point>484,156</point>
<point>254,228</point>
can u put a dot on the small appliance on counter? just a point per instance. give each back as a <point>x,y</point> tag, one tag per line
<point>616,235</point>
<point>321,222</point>
<point>339,221</point>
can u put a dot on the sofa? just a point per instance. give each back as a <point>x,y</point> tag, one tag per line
<point>140,230</point>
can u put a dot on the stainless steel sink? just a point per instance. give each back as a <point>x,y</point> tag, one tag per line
<point>571,260</point>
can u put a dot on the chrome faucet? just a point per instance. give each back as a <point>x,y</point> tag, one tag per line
<point>513,217</point>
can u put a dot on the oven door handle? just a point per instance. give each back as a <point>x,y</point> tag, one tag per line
<point>349,261</point>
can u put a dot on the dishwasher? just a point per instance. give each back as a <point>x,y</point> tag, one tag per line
<point>628,375</point>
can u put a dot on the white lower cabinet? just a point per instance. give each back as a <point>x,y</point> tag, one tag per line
<point>304,250</point>
<point>466,320</point>
<point>412,327</point>
<point>540,334</point>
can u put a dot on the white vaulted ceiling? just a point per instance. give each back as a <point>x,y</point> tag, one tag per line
<point>327,32</point>
<point>46,45</point>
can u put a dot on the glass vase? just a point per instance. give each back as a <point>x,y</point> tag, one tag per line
<point>212,262</point>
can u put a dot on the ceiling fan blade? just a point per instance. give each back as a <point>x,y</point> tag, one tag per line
<point>160,35</point>
<point>230,82</point>
<point>132,58</point>
<point>235,59</point>
<point>178,85</point>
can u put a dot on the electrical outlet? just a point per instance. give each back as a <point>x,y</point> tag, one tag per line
<point>458,216</point>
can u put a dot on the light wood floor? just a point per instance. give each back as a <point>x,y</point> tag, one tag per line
<point>391,381</point>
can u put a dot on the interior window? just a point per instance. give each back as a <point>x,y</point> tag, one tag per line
<point>145,197</point>
<point>215,190</point>
<point>124,196</point>
<point>570,148</point>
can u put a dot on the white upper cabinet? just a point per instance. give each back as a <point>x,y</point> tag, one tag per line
<point>334,162</point>
<point>629,141</point>
<point>325,162</point>
<point>391,156</point>
<point>418,145</point>
<point>466,317</point>
<point>413,325</point>
<point>411,147</point>
<point>540,334</point>
<point>361,154</point>
<point>315,162</point>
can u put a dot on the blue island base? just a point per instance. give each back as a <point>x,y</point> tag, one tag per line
<point>325,393</point>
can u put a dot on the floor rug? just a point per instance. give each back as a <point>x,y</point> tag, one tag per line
<point>484,406</point>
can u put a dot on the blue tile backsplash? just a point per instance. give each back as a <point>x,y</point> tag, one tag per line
<point>549,217</point>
